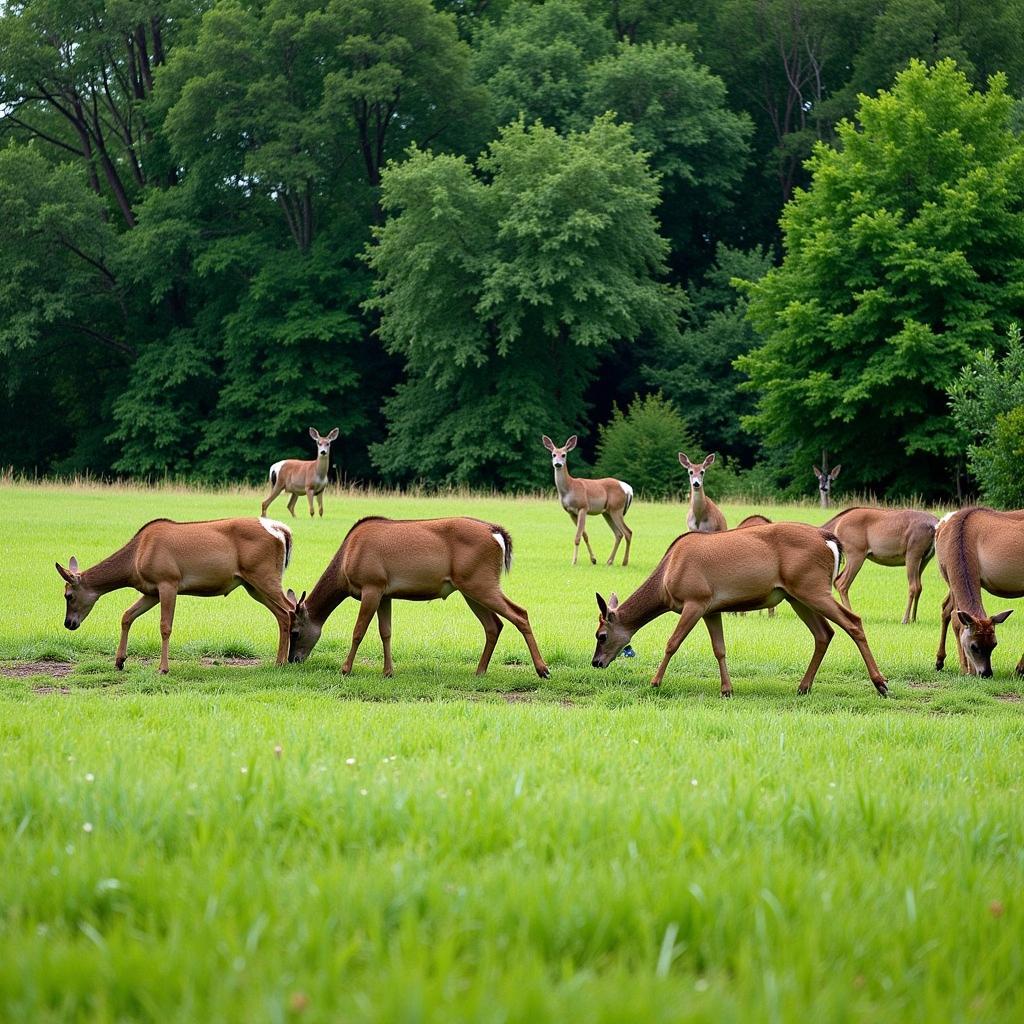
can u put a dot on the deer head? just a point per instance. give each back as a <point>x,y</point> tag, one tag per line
<point>696,470</point>
<point>323,444</point>
<point>978,639</point>
<point>303,632</point>
<point>612,635</point>
<point>825,483</point>
<point>78,598</point>
<point>558,454</point>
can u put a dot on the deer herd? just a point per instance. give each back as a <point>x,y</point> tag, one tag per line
<point>705,572</point>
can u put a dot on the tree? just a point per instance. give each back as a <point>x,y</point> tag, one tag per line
<point>901,259</point>
<point>987,403</point>
<point>501,285</point>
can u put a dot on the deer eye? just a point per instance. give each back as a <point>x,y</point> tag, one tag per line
<point>601,637</point>
<point>974,647</point>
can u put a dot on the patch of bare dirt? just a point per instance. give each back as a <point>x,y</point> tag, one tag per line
<point>44,667</point>
<point>231,662</point>
<point>923,686</point>
<point>43,690</point>
<point>1008,698</point>
<point>516,697</point>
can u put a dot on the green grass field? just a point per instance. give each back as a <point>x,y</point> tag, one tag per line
<point>236,842</point>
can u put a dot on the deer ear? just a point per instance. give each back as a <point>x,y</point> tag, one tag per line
<point>683,460</point>
<point>302,600</point>
<point>333,435</point>
<point>966,619</point>
<point>817,472</point>
<point>73,564</point>
<point>314,433</point>
<point>709,460</point>
<point>835,472</point>
<point>290,594</point>
<point>602,606</point>
<point>571,443</point>
<point>613,602</point>
<point>64,574</point>
<point>547,442</point>
<point>1001,617</point>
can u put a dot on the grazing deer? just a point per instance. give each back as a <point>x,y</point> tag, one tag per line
<point>300,477</point>
<point>825,483</point>
<point>580,498</point>
<point>205,559</point>
<point>888,537</point>
<point>704,515</point>
<point>703,575</point>
<point>414,560</point>
<point>978,549</point>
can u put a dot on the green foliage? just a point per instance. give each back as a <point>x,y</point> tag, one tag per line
<point>900,260</point>
<point>500,286</point>
<point>641,446</point>
<point>987,402</point>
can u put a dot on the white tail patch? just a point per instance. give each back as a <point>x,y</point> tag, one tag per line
<point>282,533</point>
<point>835,554</point>
<point>626,489</point>
<point>274,470</point>
<point>500,541</point>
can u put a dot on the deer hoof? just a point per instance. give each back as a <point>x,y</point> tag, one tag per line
<point>883,690</point>
<point>802,691</point>
<point>119,664</point>
<point>544,672</point>
<point>725,694</point>
<point>164,671</point>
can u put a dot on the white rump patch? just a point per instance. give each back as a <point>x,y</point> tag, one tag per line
<point>281,532</point>
<point>946,518</point>
<point>627,489</point>
<point>275,469</point>
<point>500,541</point>
<point>835,554</point>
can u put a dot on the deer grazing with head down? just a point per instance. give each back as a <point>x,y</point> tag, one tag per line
<point>298,477</point>
<point>704,515</point>
<point>825,483</point>
<point>978,549</point>
<point>167,559</point>
<point>608,497</point>
<point>381,560</point>
<point>703,575</point>
<point>886,536</point>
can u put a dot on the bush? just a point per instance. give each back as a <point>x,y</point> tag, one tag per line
<point>998,463</point>
<point>641,446</point>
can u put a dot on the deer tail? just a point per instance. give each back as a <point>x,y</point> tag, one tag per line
<point>504,540</point>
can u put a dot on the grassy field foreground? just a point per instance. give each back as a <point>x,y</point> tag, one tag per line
<point>236,842</point>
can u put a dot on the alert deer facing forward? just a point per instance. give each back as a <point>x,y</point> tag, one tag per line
<point>703,575</point>
<point>704,515</point>
<point>608,497</point>
<point>206,559</point>
<point>825,484</point>
<point>299,477</point>
<point>381,560</point>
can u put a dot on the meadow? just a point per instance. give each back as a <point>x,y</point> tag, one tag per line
<point>240,842</point>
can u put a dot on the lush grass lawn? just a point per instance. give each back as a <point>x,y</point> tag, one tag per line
<point>247,843</point>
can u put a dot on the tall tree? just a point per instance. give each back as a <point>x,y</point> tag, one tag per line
<point>904,256</point>
<point>502,285</point>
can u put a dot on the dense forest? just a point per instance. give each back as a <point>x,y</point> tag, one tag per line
<point>768,227</point>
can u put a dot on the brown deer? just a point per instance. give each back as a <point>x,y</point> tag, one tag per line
<point>704,515</point>
<point>301,477</point>
<point>978,549</point>
<point>608,497</point>
<point>703,575</point>
<point>825,483</point>
<point>205,559</point>
<point>889,537</point>
<point>381,560</point>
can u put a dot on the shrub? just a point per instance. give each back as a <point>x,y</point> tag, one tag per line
<point>641,446</point>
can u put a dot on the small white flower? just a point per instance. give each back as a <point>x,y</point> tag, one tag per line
<point>693,782</point>
<point>701,985</point>
<point>244,770</point>
<point>87,827</point>
<point>277,750</point>
<point>350,760</point>
<point>89,777</point>
<point>363,792</point>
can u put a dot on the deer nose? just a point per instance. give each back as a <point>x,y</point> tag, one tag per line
<point>987,674</point>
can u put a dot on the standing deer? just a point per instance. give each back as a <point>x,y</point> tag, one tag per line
<point>703,575</point>
<point>825,483</point>
<point>300,477</point>
<point>414,560</point>
<point>205,559</point>
<point>887,537</point>
<point>580,498</point>
<point>704,515</point>
<point>978,549</point>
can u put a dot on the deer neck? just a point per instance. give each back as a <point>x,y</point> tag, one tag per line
<point>320,465</point>
<point>824,499</point>
<point>645,604</point>
<point>698,505</point>
<point>114,572</point>
<point>563,481</point>
<point>330,590</point>
<point>963,569</point>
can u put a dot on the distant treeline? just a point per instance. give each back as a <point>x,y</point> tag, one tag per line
<point>449,227</point>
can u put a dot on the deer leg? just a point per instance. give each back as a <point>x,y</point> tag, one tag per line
<point>688,618</point>
<point>143,604</point>
<point>854,562</point>
<point>966,667</point>
<point>714,623</point>
<point>309,498</point>
<point>384,625</point>
<point>825,604</point>
<point>618,536</point>
<point>291,504</point>
<point>947,613</point>
<point>168,595</point>
<point>498,603</point>
<point>492,630</point>
<point>267,591</point>
<point>274,492</point>
<point>320,503</point>
<point>581,531</point>
<point>368,603</point>
<point>628,534</point>
<point>913,589</point>
<point>822,633</point>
